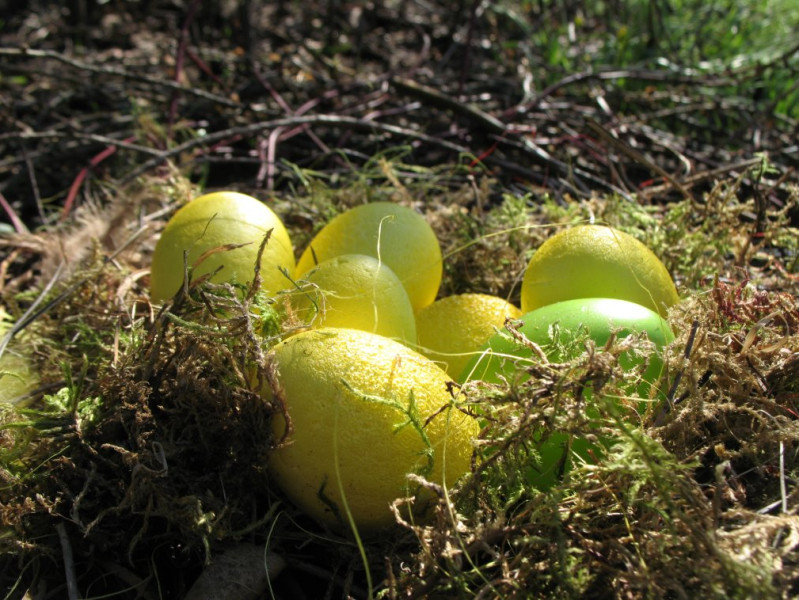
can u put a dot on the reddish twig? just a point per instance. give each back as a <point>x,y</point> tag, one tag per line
<point>81,177</point>
<point>345,122</point>
<point>179,60</point>
<point>203,66</point>
<point>16,222</point>
<point>267,170</point>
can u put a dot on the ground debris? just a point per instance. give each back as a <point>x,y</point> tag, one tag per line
<point>139,458</point>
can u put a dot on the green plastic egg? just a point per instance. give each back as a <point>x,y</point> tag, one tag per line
<point>558,328</point>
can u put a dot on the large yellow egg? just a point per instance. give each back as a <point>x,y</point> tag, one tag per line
<point>221,220</point>
<point>366,412</point>
<point>594,261</point>
<point>394,234</point>
<point>357,292</point>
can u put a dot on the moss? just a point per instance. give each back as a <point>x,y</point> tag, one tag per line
<point>150,444</point>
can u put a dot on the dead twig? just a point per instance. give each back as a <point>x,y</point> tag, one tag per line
<point>685,78</point>
<point>19,226</point>
<point>316,120</point>
<point>606,136</point>
<point>69,563</point>
<point>115,72</point>
<point>124,144</point>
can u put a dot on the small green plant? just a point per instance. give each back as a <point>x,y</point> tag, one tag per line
<point>750,44</point>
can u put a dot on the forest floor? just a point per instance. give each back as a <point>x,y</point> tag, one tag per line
<point>498,121</point>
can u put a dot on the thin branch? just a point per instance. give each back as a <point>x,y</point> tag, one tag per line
<point>607,137</point>
<point>692,180</point>
<point>261,126</point>
<point>639,74</point>
<point>37,197</point>
<point>76,135</point>
<point>82,174</point>
<point>30,315</point>
<point>69,563</point>
<point>19,226</point>
<point>179,60</point>
<point>438,99</point>
<point>115,72</point>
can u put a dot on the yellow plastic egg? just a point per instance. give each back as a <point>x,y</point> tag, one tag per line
<point>452,330</point>
<point>358,292</point>
<point>365,412</point>
<point>395,235</point>
<point>227,228</point>
<point>595,261</point>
